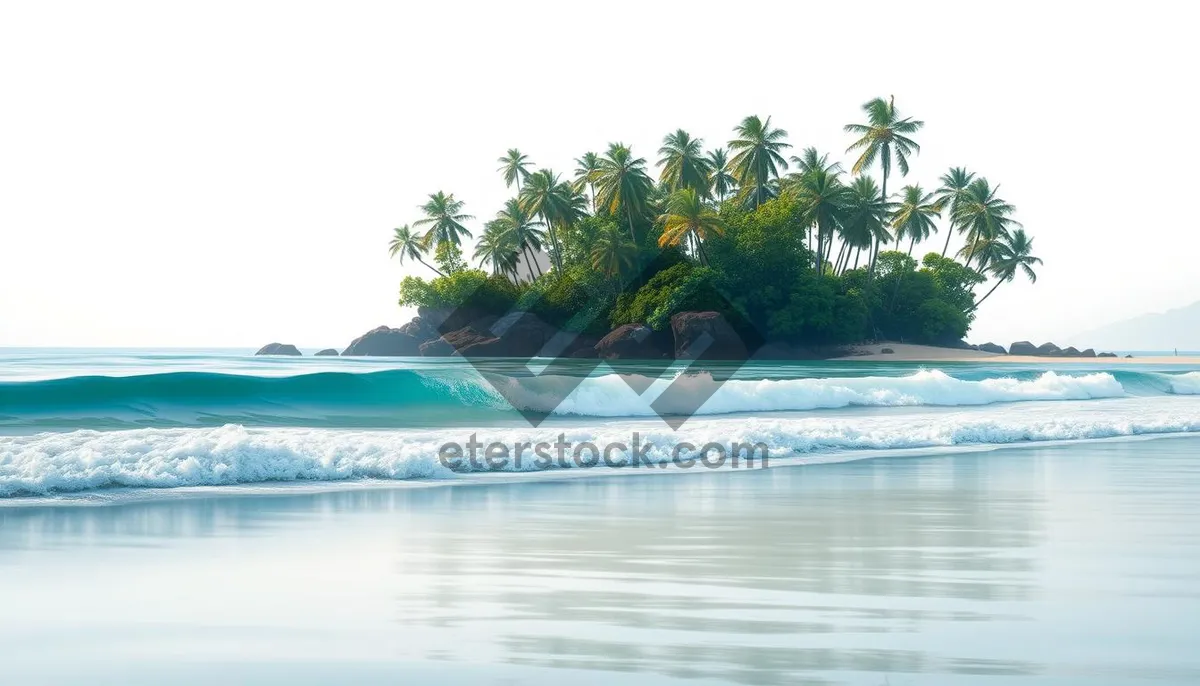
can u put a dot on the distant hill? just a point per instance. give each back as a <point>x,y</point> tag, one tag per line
<point>1173,329</point>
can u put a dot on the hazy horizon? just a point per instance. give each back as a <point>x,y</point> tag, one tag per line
<point>228,175</point>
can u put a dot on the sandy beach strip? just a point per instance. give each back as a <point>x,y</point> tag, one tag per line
<point>907,352</point>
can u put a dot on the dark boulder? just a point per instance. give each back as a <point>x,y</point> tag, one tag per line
<point>1022,348</point>
<point>992,348</point>
<point>1070,351</point>
<point>450,343</point>
<point>278,349</point>
<point>706,334</point>
<point>327,352</point>
<point>383,342</point>
<point>1129,357</point>
<point>517,334</point>
<point>420,329</point>
<point>1107,355</point>
<point>1047,350</point>
<point>886,351</point>
<point>634,342</point>
<point>1088,353</point>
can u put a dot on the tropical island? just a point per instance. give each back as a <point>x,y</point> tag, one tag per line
<point>787,250</point>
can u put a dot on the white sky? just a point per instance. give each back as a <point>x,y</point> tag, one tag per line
<point>229,173</point>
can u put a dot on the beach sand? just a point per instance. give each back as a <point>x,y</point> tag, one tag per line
<point>907,352</point>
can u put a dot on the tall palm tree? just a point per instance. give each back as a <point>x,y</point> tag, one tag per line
<point>756,160</point>
<point>444,217</point>
<point>526,232</point>
<point>884,136</point>
<point>983,216</point>
<point>951,194</point>
<point>1016,254</point>
<point>612,252</point>
<point>586,173</point>
<point>623,185</point>
<point>514,166</point>
<point>497,247</point>
<point>721,180</point>
<point>410,245</point>
<point>688,218</point>
<point>865,218</point>
<point>684,164</point>
<point>823,199</point>
<point>913,216</point>
<point>559,204</point>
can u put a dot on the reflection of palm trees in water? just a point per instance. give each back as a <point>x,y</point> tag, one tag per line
<point>760,578</point>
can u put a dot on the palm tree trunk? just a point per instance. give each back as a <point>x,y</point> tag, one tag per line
<point>528,261</point>
<point>875,254</point>
<point>857,254</point>
<point>949,233</point>
<point>427,266</point>
<point>912,244</point>
<point>592,188</point>
<point>985,297</point>
<point>838,262</point>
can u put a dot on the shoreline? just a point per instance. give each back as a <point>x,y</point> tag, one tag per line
<point>909,352</point>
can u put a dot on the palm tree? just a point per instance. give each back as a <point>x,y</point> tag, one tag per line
<point>514,167</point>
<point>864,223</point>
<point>560,205</point>
<point>497,247</point>
<point>951,194</point>
<point>914,215</point>
<point>983,216</point>
<point>756,161</point>
<point>688,218</point>
<point>882,137</point>
<point>444,217</point>
<point>612,252</point>
<point>810,160</point>
<point>405,243</point>
<point>526,232</point>
<point>684,164</point>
<point>1015,254</point>
<point>623,184</point>
<point>823,199</point>
<point>721,180</point>
<point>586,174</point>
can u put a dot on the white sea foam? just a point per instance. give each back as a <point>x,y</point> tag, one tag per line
<point>1186,384</point>
<point>610,396</point>
<point>164,458</point>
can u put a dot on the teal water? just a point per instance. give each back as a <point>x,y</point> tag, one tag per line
<point>1065,565</point>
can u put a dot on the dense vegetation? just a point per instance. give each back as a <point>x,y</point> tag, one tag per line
<point>795,247</point>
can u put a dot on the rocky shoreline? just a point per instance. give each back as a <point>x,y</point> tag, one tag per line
<point>693,335</point>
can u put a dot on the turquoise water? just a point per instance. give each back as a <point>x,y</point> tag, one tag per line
<point>207,516</point>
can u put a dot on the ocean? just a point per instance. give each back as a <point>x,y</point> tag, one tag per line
<point>194,516</point>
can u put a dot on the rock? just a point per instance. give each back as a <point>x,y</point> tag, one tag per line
<point>992,348</point>
<point>327,352</point>
<point>1070,351</point>
<point>1107,355</point>
<point>706,335</point>
<point>1088,353</point>
<point>886,351</point>
<point>1129,357</point>
<point>1022,348</point>
<point>1047,350</point>
<point>451,343</point>
<point>517,334</point>
<point>634,342</point>
<point>384,342</point>
<point>278,349</point>
<point>420,329</point>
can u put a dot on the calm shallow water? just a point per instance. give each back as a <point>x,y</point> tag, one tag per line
<point>1057,565</point>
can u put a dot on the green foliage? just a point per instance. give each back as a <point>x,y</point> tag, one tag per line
<point>578,299</point>
<point>680,288</point>
<point>467,287</point>
<point>818,311</point>
<point>448,258</point>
